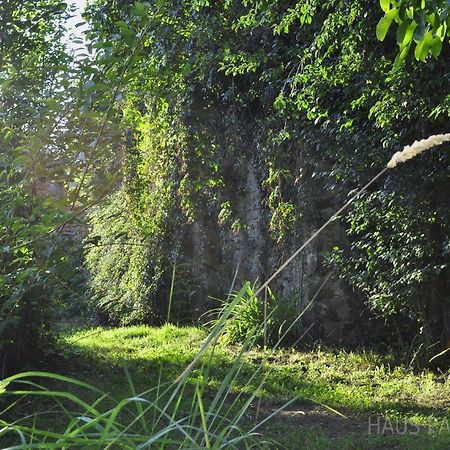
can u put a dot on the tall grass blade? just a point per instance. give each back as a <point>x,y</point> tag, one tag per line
<point>172,284</point>
<point>203,417</point>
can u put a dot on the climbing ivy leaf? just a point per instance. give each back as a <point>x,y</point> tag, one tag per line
<point>384,24</point>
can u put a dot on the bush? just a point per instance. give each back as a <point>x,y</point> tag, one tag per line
<point>38,270</point>
<point>397,260</point>
<point>123,274</point>
<point>271,321</point>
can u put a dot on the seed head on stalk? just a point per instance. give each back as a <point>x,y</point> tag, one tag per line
<point>410,151</point>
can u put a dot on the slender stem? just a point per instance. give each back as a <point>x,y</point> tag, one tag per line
<point>105,120</point>
<point>265,318</point>
<point>171,290</point>
<point>316,233</point>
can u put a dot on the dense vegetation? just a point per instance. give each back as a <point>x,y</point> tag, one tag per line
<point>194,92</point>
<point>112,155</point>
<point>36,269</point>
<point>300,90</point>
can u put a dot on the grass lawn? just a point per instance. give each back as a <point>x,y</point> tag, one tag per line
<point>344,400</point>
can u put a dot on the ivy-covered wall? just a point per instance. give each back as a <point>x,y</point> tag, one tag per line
<point>251,122</point>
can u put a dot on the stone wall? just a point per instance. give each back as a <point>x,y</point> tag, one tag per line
<point>215,253</point>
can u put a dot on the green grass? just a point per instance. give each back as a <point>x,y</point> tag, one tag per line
<point>338,392</point>
<point>357,385</point>
<point>361,382</point>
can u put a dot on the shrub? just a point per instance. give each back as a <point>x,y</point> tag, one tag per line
<point>123,274</point>
<point>397,260</point>
<point>38,270</point>
<point>271,321</point>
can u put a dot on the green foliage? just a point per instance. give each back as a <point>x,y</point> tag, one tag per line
<point>122,280</point>
<point>60,155</point>
<point>135,237</point>
<point>393,255</point>
<point>202,92</point>
<point>38,271</point>
<point>297,90</point>
<point>152,180</point>
<point>421,23</point>
<point>262,321</point>
<point>37,259</point>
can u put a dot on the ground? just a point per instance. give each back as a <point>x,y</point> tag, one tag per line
<point>338,399</point>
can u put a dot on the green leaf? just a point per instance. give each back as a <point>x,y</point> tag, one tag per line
<point>139,10</point>
<point>436,47</point>
<point>121,24</point>
<point>102,45</point>
<point>433,19</point>
<point>409,33</point>
<point>418,52</point>
<point>384,24</point>
<point>424,49</point>
<point>3,385</point>
<point>385,4</point>
<point>441,31</point>
<point>108,60</point>
<point>405,33</point>
<point>125,31</point>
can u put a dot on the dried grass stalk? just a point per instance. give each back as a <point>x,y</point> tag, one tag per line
<point>410,151</point>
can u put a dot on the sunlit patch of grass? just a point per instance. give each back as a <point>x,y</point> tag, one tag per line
<point>137,343</point>
<point>354,384</point>
<point>360,382</point>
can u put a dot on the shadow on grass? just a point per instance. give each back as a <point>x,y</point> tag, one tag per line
<point>281,379</point>
<point>334,404</point>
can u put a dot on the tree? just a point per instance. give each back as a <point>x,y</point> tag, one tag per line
<point>35,271</point>
<point>423,25</point>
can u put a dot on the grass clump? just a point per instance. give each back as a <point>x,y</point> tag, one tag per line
<point>147,420</point>
<point>263,320</point>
